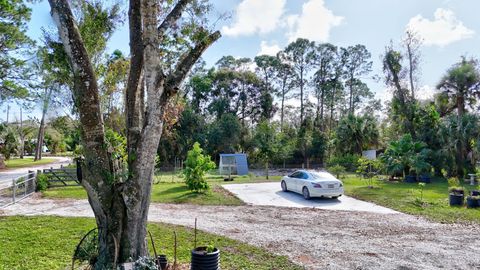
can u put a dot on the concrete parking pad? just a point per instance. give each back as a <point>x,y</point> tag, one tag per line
<point>271,194</point>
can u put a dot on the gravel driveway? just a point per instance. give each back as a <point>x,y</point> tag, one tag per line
<point>272,194</point>
<point>315,238</point>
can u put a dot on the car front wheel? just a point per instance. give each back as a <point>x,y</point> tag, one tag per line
<point>284,186</point>
<point>306,193</point>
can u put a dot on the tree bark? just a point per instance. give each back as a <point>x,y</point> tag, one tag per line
<point>41,130</point>
<point>41,135</point>
<point>411,70</point>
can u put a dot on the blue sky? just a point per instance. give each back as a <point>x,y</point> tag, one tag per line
<point>450,29</point>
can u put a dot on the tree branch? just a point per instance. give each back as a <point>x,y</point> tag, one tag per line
<point>85,83</point>
<point>85,90</point>
<point>134,95</point>
<point>172,17</point>
<point>188,60</point>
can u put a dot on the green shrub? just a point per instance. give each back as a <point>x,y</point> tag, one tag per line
<point>337,170</point>
<point>42,182</point>
<point>348,161</point>
<point>196,166</point>
<point>368,167</point>
<point>145,263</point>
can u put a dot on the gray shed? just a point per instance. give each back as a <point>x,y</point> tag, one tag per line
<point>235,164</point>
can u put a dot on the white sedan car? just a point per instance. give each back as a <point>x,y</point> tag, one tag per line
<point>313,184</point>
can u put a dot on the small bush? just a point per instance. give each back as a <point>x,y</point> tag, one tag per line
<point>348,161</point>
<point>196,166</point>
<point>42,182</point>
<point>368,167</point>
<point>145,263</point>
<point>337,170</point>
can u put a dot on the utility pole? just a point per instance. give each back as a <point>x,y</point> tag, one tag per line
<point>22,137</point>
<point>8,111</point>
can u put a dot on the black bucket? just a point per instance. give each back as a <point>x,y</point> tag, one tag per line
<point>201,260</point>
<point>456,199</point>
<point>410,179</point>
<point>472,203</point>
<point>162,262</point>
<point>424,179</point>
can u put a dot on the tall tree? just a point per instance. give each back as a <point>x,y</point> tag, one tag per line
<point>461,85</point>
<point>156,72</point>
<point>357,64</point>
<point>324,60</point>
<point>285,79</point>
<point>402,104</point>
<point>267,65</point>
<point>300,54</point>
<point>267,142</point>
<point>412,44</point>
<point>360,131</point>
<point>14,44</point>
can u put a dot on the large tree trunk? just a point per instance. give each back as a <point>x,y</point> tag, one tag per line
<point>411,70</point>
<point>41,135</point>
<point>121,206</point>
<point>302,109</point>
<point>41,130</point>
<point>461,149</point>
<point>282,111</point>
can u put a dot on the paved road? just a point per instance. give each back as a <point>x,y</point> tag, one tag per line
<point>314,238</point>
<point>6,176</point>
<point>271,194</point>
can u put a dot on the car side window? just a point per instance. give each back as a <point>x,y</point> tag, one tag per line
<point>296,175</point>
<point>304,176</point>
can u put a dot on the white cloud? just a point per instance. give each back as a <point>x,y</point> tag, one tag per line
<point>444,29</point>
<point>269,49</point>
<point>425,92</point>
<point>256,16</point>
<point>314,23</point>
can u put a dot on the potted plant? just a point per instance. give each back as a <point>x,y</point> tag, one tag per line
<point>456,195</point>
<point>475,192</point>
<point>205,258</point>
<point>473,201</point>
<point>425,178</point>
<point>410,179</point>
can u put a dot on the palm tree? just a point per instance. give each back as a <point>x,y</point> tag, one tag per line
<point>461,85</point>
<point>356,133</point>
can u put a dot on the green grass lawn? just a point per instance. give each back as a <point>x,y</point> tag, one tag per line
<point>14,163</point>
<point>170,188</point>
<point>404,197</point>
<point>48,243</point>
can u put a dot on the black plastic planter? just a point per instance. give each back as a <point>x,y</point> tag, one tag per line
<point>162,262</point>
<point>472,203</point>
<point>475,193</point>
<point>410,179</point>
<point>201,260</point>
<point>424,179</point>
<point>456,199</point>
